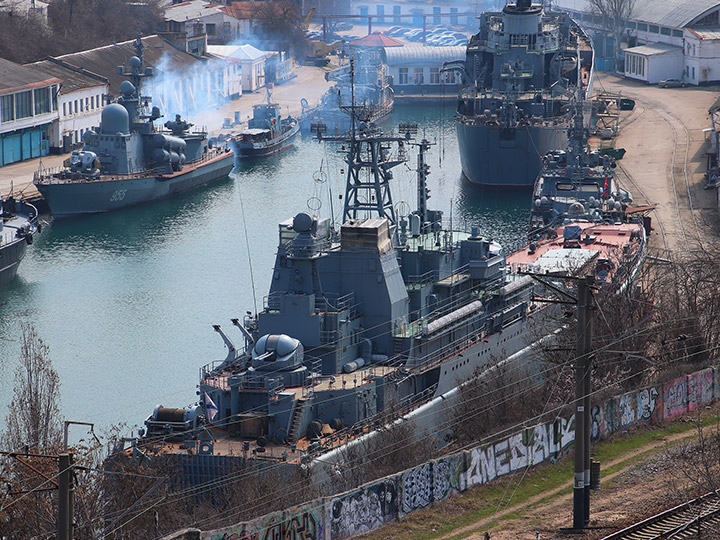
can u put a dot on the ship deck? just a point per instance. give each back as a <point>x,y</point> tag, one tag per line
<point>10,227</point>
<point>597,241</point>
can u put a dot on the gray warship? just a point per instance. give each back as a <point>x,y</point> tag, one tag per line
<point>18,224</point>
<point>520,73</point>
<point>375,319</point>
<point>577,183</point>
<point>362,83</point>
<point>127,161</point>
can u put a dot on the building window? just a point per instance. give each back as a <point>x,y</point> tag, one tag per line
<point>436,15</point>
<point>8,108</point>
<point>76,106</point>
<point>54,95</point>
<point>631,25</point>
<point>64,109</point>
<point>693,73</point>
<point>403,76</point>
<point>693,50</point>
<point>450,77</point>
<point>687,71</point>
<point>396,13</point>
<point>23,104</point>
<point>87,103</point>
<point>210,29</point>
<point>226,28</point>
<point>642,27</point>
<point>381,11</point>
<point>654,29</point>
<point>434,75</point>
<point>665,31</point>
<point>453,18</point>
<point>677,33</point>
<point>42,100</point>
<point>419,79</point>
<point>81,105</point>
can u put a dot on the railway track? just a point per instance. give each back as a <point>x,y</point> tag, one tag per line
<point>698,518</point>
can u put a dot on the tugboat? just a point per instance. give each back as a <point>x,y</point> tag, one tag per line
<point>577,182</point>
<point>127,161</point>
<point>18,224</point>
<point>267,132</point>
<point>520,72</point>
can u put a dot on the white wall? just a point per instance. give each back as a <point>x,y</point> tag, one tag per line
<point>664,66</point>
<point>704,56</point>
<point>89,104</point>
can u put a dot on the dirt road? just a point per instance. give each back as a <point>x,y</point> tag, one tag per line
<point>665,160</point>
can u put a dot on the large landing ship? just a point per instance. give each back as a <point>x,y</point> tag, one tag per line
<point>521,70</point>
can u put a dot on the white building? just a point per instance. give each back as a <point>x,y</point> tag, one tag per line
<point>412,13</point>
<point>417,69</point>
<point>80,101</point>
<point>198,16</point>
<point>654,62</point>
<point>28,106</point>
<point>251,59</point>
<point>675,23</point>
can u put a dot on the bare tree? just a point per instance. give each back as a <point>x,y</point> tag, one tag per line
<point>34,416</point>
<point>615,14</point>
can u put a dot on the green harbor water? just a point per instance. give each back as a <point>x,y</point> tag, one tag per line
<point>126,301</point>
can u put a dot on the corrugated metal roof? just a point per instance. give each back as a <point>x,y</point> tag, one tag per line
<point>672,13</point>
<point>188,11</point>
<point>15,77</point>
<point>403,56</point>
<point>72,79</point>
<point>158,53</point>
<point>653,49</point>
<point>706,32</point>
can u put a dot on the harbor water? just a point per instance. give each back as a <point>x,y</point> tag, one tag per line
<point>126,301</point>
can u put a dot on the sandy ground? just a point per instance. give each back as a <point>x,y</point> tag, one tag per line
<point>666,160</point>
<point>310,84</point>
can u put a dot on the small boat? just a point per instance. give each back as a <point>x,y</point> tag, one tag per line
<point>18,224</point>
<point>267,132</point>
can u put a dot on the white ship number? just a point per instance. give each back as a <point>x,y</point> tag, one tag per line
<point>119,195</point>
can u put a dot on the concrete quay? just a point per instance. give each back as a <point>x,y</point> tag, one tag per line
<point>309,83</point>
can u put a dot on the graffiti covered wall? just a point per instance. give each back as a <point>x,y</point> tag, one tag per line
<point>394,497</point>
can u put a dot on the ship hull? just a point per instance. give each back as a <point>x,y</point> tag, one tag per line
<point>68,198</point>
<point>244,150</point>
<point>10,257</point>
<point>511,158</point>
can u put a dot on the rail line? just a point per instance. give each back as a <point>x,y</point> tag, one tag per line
<point>698,518</point>
<point>636,187</point>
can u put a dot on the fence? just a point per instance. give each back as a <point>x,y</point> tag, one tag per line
<point>394,497</point>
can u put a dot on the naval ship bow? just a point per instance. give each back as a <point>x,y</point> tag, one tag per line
<point>357,326</point>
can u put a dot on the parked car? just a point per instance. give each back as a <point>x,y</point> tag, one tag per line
<point>672,83</point>
<point>400,32</point>
<point>412,33</point>
<point>342,26</point>
<point>389,31</point>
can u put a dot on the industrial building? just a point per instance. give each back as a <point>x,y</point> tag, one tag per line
<point>28,106</point>
<point>691,28</point>
<point>418,69</point>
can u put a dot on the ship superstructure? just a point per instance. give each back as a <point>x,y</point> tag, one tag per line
<point>520,73</point>
<point>577,182</point>
<point>127,160</point>
<point>387,314</point>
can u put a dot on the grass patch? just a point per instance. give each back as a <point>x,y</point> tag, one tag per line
<point>483,502</point>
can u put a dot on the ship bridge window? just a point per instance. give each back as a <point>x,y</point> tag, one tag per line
<point>564,187</point>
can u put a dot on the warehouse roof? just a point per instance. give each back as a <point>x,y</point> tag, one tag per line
<point>15,77</point>
<point>672,13</point>
<point>401,56</point>
<point>653,49</point>
<point>73,78</point>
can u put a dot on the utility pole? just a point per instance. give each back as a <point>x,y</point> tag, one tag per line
<point>583,348</point>
<point>581,476</point>
<point>65,497</point>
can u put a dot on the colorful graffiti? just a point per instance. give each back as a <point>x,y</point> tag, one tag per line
<point>374,504</point>
<point>363,510</point>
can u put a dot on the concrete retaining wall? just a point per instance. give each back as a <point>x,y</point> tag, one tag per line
<point>394,497</point>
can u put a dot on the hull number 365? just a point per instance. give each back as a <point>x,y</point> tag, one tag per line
<point>118,195</point>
